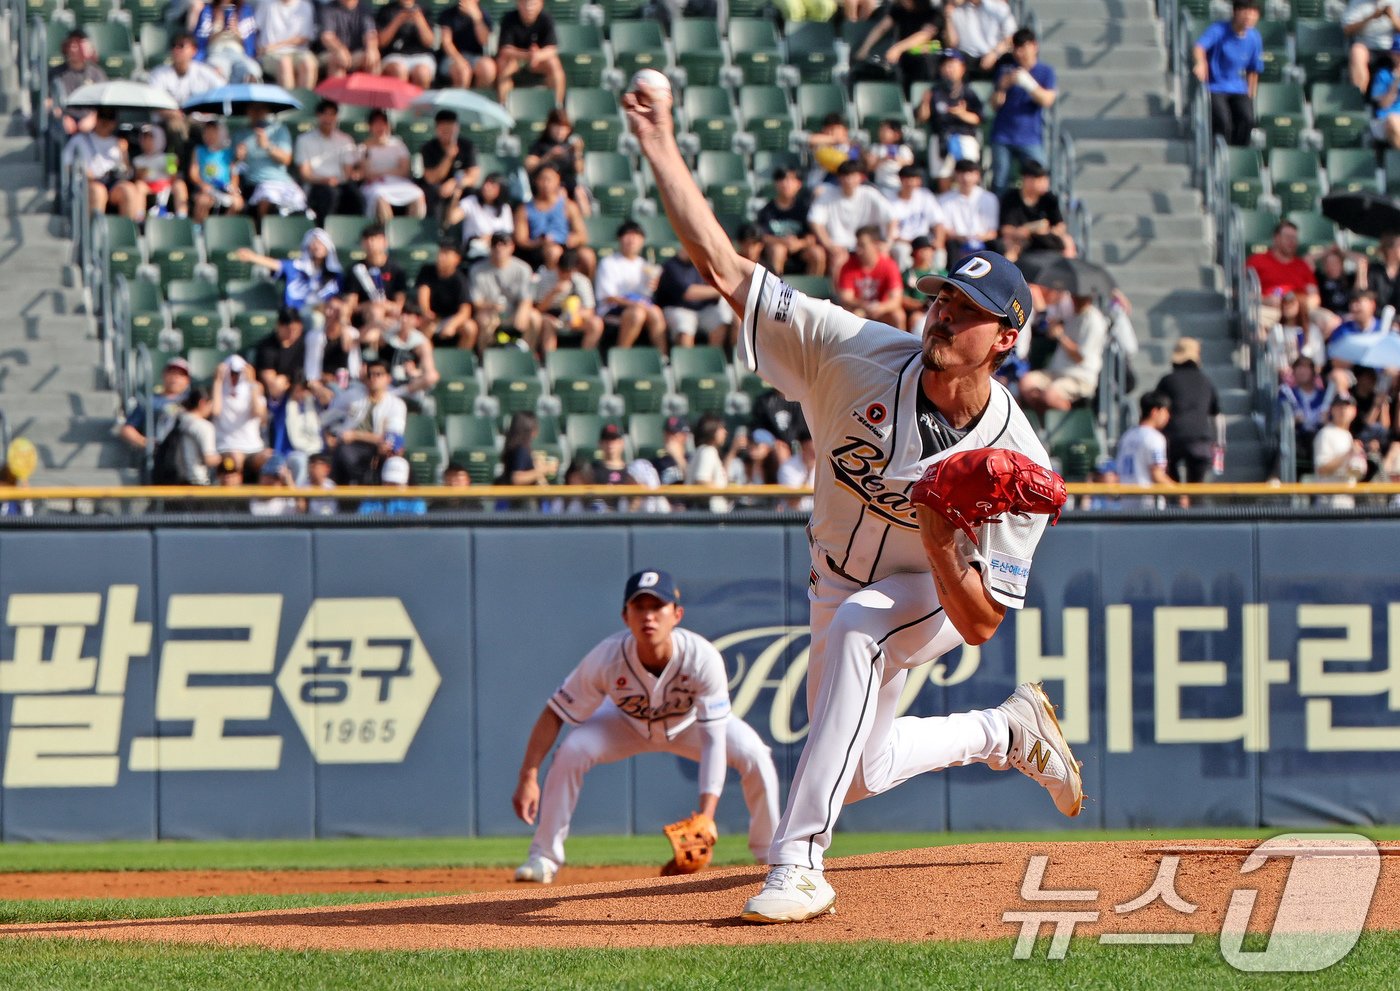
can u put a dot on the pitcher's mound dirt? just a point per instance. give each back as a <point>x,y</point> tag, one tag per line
<point>958,892</point>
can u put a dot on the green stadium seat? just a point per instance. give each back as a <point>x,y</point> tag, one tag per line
<point>1321,50</point>
<point>876,101</point>
<point>697,44</point>
<point>155,43</point>
<point>1304,10</point>
<point>281,236</point>
<point>1336,98</point>
<point>765,115</point>
<point>1391,166</point>
<point>648,434</point>
<point>344,231</point>
<point>709,114</point>
<point>222,237</point>
<point>455,363</point>
<point>1351,170</point>
<point>576,379</point>
<point>815,101</point>
<point>198,328</point>
<point>725,180</point>
<point>192,294</point>
<point>638,378</point>
<point>405,232</point>
<point>582,430</point>
<point>1275,35</point>
<point>123,247</point>
<point>661,237</point>
<point>420,449</point>
<point>811,48</point>
<point>1345,129</point>
<point>753,49</point>
<point>602,234</point>
<point>147,313</point>
<point>1246,176</point>
<point>171,247</point>
<point>512,378</point>
<point>203,362</point>
<point>594,113</point>
<point>462,430</point>
<point>1314,230</point>
<point>611,179</point>
<point>638,45</point>
<point>1257,228</point>
<point>581,51</point>
<point>252,294</point>
<point>1294,177</point>
<point>1278,110</point>
<point>414,132</point>
<point>620,10</point>
<point>253,326</point>
<point>702,376</point>
<point>455,394</point>
<point>530,108</point>
<point>816,286</point>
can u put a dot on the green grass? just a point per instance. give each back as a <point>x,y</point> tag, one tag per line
<point>101,909</point>
<point>77,965</point>
<point>505,851</point>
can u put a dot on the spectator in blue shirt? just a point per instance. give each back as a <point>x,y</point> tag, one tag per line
<point>226,37</point>
<point>1385,94</point>
<point>1228,59</point>
<point>1025,88</point>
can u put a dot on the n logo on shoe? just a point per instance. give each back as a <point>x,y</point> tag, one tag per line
<point>1039,756</point>
<point>805,884</point>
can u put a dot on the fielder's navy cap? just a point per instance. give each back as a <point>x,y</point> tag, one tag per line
<point>657,583</point>
<point>990,281</point>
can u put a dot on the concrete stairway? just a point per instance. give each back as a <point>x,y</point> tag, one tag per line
<point>1149,226</point>
<point>52,389</point>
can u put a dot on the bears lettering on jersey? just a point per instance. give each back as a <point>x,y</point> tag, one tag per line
<point>856,466</point>
<point>678,700</point>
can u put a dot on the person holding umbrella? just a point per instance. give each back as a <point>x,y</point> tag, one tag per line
<point>104,157</point>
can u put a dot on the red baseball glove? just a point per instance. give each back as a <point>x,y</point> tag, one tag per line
<point>975,487</point>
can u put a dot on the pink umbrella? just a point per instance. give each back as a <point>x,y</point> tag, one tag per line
<point>362,89</point>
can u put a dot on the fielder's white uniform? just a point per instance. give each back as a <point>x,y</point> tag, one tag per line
<point>874,606</point>
<point>618,708</point>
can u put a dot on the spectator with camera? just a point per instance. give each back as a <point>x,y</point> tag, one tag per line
<point>239,410</point>
<point>1025,89</point>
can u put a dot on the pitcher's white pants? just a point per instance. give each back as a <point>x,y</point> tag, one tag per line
<point>863,640</point>
<point>605,737</point>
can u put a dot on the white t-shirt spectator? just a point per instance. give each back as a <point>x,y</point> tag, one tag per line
<point>196,446</point>
<point>983,25</point>
<point>236,427</point>
<point>102,156</point>
<point>1139,450</point>
<point>199,77</point>
<point>707,469</point>
<point>619,276</point>
<point>282,20</point>
<point>327,156</point>
<point>843,215</point>
<point>507,286</point>
<point>1089,331</point>
<point>1377,33</point>
<point>1333,442</point>
<point>918,215</point>
<point>968,216</point>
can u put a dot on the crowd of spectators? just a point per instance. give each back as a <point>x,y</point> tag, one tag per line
<point>324,399</point>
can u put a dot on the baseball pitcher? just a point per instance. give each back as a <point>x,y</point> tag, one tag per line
<point>930,497</point>
<point>653,687</point>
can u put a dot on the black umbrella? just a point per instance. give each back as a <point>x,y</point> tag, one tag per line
<point>1032,263</point>
<point>1367,214</point>
<point>1077,277</point>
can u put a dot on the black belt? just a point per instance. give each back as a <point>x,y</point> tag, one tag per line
<point>830,563</point>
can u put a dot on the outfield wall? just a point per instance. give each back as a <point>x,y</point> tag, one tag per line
<point>299,682</point>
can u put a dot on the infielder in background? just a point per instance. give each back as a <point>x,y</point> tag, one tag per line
<point>892,585</point>
<point>651,688</point>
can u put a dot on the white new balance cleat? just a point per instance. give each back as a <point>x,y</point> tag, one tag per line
<point>1038,747</point>
<point>537,870</point>
<point>791,894</point>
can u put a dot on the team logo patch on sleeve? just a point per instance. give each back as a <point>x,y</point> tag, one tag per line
<point>1010,571</point>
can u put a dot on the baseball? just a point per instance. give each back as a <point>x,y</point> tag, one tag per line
<point>653,80</point>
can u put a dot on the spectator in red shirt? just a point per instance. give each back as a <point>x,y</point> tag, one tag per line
<point>1281,271</point>
<point>869,284</point>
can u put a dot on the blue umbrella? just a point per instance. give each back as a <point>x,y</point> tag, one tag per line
<point>1355,347</point>
<point>466,104</point>
<point>233,100</point>
<point>1384,353</point>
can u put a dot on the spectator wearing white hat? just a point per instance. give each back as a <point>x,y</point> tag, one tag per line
<point>395,474</point>
<point>238,411</point>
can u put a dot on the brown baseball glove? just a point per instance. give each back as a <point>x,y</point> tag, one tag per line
<point>693,841</point>
<point>975,487</point>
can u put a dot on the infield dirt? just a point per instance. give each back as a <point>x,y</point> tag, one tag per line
<point>953,892</point>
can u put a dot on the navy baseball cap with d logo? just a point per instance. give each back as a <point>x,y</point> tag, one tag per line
<point>990,281</point>
<point>657,583</point>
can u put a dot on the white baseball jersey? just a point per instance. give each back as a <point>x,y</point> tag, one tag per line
<point>693,687</point>
<point>858,383</point>
<point>1138,450</point>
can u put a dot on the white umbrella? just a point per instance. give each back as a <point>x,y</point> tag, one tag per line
<point>1355,347</point>
<point>1383,353</point>
<point>121,94</point>
<point>466,104</point>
